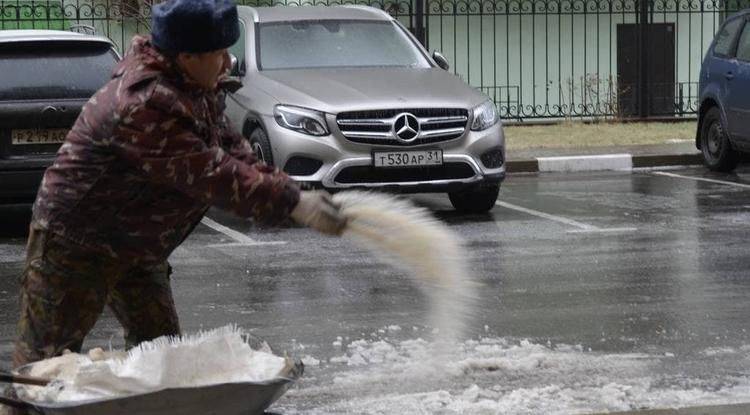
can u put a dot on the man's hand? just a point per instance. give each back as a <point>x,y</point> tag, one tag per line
<point>316,210</point>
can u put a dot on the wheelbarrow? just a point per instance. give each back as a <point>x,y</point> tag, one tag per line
<point>241,398</point>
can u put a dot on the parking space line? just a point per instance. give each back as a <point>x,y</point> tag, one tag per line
<point>603,230</point>
<point>570,222</point>
<point>237,236</point>
<point>230,245</point>
<point>702,179</point>
<point>582,227</point>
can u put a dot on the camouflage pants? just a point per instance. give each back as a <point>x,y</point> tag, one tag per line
<point>65,287</point>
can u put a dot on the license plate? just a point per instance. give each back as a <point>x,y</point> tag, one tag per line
<point>30,137</point>
<point>407,158</point>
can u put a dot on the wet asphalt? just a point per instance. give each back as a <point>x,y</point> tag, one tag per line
<point>651,262</point>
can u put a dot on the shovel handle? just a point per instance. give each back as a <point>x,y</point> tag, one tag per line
<point>13,403</point>
<point>25,380</point>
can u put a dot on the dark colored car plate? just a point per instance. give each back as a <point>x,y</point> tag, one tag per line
<point>36,137</point>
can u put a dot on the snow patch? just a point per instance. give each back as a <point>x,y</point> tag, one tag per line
<point>500,376</point>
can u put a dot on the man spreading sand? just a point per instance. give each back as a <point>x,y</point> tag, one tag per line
<point>149,154</point>
<point>395,230</point>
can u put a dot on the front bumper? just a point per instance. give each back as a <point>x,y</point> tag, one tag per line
<point>345,164</point>
<point>20,179</point>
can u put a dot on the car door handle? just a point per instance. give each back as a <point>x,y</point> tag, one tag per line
<point>729,76</point>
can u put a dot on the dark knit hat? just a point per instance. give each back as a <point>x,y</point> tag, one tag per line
<point>194,26</point>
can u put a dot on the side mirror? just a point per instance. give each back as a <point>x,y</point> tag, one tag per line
<point>238,68</point>
<point>440,60</point>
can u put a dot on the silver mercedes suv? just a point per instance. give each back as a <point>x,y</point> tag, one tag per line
<point>345,97</point>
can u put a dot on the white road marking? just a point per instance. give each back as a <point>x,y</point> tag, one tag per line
<point>702,179</point>
<point>230,245</point>
<point>237,236</point>
<point>560,219</point>
<point>240,238</point>
<point>582,227</point>
<point>603,230</point>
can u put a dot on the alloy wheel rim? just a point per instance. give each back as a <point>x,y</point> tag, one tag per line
<point>714,140</point>
<point>258,150</point>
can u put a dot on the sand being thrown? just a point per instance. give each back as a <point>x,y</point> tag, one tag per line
<point>410,238</point>
<point>218,356</point>
<point>396,230</point>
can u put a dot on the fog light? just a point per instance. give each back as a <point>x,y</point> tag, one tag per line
<point>302,166</point>
<point>493,159</point>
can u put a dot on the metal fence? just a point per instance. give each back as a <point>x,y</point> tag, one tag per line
<point>579,58</point>
<point>535,58</point>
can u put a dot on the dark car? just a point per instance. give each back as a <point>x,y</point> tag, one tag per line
<point>724,115</point>
<point>46,78</point>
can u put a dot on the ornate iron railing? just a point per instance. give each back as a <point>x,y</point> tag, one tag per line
<point>534,58</point>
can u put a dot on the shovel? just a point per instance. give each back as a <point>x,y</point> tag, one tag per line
<point>23,380</point>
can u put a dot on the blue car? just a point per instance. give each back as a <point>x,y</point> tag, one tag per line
<point>724,115</point>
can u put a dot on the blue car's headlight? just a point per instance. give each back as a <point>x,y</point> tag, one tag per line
<point>302,120</point>
<point>485,116</point>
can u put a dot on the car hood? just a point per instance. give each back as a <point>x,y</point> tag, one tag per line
<point>337,90</point>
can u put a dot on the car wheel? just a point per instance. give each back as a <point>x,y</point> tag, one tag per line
<point>718,153</point>
<point>476,199</point>
<point>261,146</point>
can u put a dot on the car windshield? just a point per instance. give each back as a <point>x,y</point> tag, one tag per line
<point>54,70</point>
<point>336,43</point>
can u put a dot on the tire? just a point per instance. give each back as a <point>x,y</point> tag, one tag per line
<point>718,154</point>
<point>261,146</point>
<point>476,199</point>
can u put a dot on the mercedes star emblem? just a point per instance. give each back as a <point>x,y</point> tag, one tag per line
<point>406,127</point>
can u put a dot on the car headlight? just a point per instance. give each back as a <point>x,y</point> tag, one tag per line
<point>302,120</point>
<point>485,116</point>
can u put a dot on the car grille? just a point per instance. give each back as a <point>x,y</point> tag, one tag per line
<point>375,127</point>
<point>371,175</point>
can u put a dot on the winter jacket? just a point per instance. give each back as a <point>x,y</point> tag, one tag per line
<point>148,155</point>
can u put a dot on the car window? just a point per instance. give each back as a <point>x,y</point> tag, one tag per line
<point>336,43</point>
<point>724,39</point>
<point>54,70</point>
<point>238,49</point>
<point>743,44</point>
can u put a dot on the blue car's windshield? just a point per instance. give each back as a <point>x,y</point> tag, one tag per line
<point>336,43</point>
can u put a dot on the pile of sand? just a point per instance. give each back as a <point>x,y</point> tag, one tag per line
<point>214,357</point>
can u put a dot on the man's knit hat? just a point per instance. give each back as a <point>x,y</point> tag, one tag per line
<point>194,26</point>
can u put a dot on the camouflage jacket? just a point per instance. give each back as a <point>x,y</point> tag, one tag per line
<point>148,155</point>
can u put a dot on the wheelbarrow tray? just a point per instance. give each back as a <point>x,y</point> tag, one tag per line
<point>222,399</point>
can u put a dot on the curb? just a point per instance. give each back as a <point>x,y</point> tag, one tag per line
<point>736,409</point>
<point>601,162</point>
